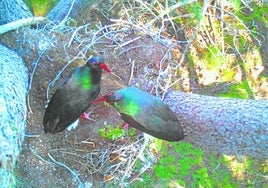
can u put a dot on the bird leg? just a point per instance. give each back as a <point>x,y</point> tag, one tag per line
<point>86,116</point>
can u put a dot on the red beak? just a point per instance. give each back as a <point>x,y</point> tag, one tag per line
<point>102,99</point>
<point>104,67</point>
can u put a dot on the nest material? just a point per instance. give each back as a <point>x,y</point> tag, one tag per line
<point>133,52</point>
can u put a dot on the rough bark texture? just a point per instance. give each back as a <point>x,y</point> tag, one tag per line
<point>20,23</point>
<point>12,10</point>
<point>13,89</point>
<point>86,12</point>
<point>231,126</point>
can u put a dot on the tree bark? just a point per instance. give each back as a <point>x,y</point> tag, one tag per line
<point>13,89</point>
<point>231,126</point>
<point>64,9</point>
<point>83,11</point>
<point>13,10</point>
<point>20,23</point>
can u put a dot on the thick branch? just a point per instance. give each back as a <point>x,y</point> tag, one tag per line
<point>12,10</point>
<point>20,23</point>
<point>231,126</point>
<point>13,88</point>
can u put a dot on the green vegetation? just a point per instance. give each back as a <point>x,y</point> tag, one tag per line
<point>195,14</point>
<point>182,164</point>
<point>241,91</point>
<point>222,46</point>
<point>40,7</point>
<point>224,50</point>
<point>115,133</point>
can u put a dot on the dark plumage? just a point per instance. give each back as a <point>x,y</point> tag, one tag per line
<point>74,96</point>
<point>146,113</point>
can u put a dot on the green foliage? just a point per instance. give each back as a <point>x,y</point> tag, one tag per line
<point>213,58</point>
<point>196,9</point>
<point>148,180</point>
<point>258,15</point>
<point>236,5</point>
<point>193,9</point>
<point>190,157</point>
<point>132,132</point>
<point>114,133</point>
<point>227,75</point>
<point>241,91</point>
<point>40,7</point>
<point>165,168</point>
<point>182,164</point>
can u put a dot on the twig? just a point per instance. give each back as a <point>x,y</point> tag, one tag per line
<point>31,80</point>
<point>134,47</point>
<point>40,157</point>
<point>241,22</point>
<point>131,71</point>
<point>193,36</point>
<point>142,170</point>
<point>149,9</point>
<point>161,73</point>
<point>65,18</point>
<point>127,42</point>
<point>169,9</point>
<point>221,26</point>
<point>81,185</point>
<point>118,77</point>
<point>32,135</point>
<point>75,33</point>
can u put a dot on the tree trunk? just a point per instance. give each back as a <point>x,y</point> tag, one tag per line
<point>13,10</point>
<point>231,126</point>
<point>13,89</point>
<point>83,11</point>
<point>64,9</point>
<point>68,8</point>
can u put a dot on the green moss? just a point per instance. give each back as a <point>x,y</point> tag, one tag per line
<point>182,164</point>
<point>148,181</point>
<point>165,168</point>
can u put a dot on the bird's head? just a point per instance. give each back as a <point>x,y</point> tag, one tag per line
<point>114,97</point>
<point>111,98</point>
<point>97,61</point>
